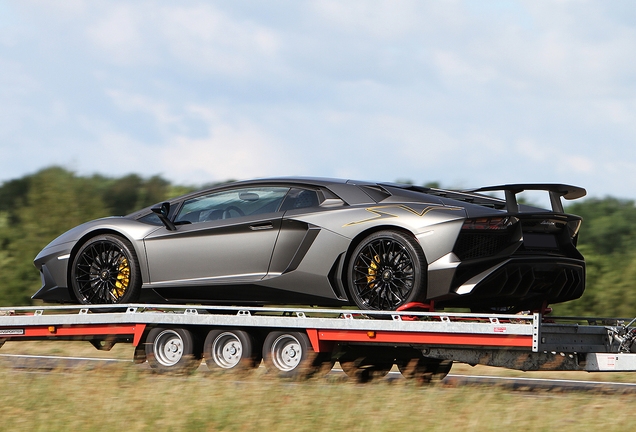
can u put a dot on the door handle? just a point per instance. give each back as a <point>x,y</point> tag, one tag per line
<point>261,226</point>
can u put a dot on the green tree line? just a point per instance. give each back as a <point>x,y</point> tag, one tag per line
<point>37,208</point>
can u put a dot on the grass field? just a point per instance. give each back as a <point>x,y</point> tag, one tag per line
<point>127,397</point>
<point>125,352</point>
<point>131,399</point>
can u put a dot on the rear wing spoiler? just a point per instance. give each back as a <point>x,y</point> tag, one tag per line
<point>556,192</point>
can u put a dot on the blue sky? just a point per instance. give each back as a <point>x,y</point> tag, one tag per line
<point>465,93</point>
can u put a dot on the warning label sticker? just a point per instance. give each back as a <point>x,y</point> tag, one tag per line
<point>500,329</point>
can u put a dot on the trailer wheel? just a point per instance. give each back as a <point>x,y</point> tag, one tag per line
<point>234,350</point>
<point>362,371</point>
<point>172,350</point>
<point>290,354</point>
<point>443,369</point>
<point>424,370</point>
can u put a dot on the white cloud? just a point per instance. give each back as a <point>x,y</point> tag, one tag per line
<point>193,35</point>
<point>449,91</point>
<point>580,164</point>
<point>556,157</point>
<point>160,110</point>
<point>237,151</point>
<point>453,68</point>
<point>118,34</point>
<point>418,145</point>
<point>207,39</point>
<point>380,19</point>
<point>117,154</point>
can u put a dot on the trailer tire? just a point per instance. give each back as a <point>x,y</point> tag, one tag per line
<point>424,370</point>
<point>443,369</point>
<point>290,355</point>
<point>232,350</point>
<point>362,371</point>
<point>172,350</point>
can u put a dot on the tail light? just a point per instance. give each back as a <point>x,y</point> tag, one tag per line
<point>573,228</point>
<point>491,223</point>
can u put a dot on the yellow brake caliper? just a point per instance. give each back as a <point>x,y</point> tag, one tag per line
<point>373,270</point>
<point>123,278</point>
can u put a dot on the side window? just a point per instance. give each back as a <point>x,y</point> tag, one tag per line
<point>300,198</point>
<point>151,219</point>
<point>232,203</point>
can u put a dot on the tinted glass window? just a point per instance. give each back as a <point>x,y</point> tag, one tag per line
<point>232,203</point>
<point>151,219</point>
<point>301,198</point>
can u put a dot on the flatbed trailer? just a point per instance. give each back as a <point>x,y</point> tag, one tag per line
<point>302,342</point>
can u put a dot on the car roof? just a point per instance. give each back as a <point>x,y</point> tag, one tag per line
<point>300,181</point>
<point>316,181</point>
<point>347,190</point>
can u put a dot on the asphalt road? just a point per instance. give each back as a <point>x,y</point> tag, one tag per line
<point>48,363</point>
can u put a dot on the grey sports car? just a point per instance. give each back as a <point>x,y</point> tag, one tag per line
<point>325,242</point>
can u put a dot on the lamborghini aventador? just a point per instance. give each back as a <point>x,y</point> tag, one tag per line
<point>325,242</point>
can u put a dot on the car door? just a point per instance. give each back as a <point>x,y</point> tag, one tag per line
<point>221,237</point>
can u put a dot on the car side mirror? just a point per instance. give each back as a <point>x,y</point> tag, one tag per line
<point>163,210</point>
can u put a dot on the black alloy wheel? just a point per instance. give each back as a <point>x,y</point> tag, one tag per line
<point>387,270</point>
<point>105,271</point>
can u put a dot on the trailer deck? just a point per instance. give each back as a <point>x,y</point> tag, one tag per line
<point>304,341</point>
